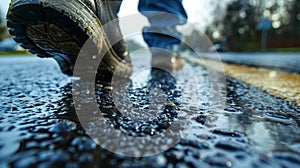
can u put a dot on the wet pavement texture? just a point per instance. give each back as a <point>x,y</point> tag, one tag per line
<point>39,126</point>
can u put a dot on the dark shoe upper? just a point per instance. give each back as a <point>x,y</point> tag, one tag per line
<point>107,13</point>
<point>59,29</point>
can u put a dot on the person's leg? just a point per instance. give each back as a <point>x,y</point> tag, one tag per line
<point>162,36</point>
<point>163,16</point>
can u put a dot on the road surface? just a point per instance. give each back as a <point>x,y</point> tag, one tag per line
<point>39,126</point>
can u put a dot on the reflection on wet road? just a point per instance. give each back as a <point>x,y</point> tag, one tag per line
<point>39,126</point>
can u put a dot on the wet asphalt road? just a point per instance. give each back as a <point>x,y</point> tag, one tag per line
<point>39,126</point>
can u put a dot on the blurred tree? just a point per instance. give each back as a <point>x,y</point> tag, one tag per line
<point>214,30</point>
<point>294,12</point>
<point>197,41</point>
<point>202,39</point>
<point>285,16</point>
<point>237,23</point>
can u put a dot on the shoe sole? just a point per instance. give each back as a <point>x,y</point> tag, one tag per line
<point>59,29</point>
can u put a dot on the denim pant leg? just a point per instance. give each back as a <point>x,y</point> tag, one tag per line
<point>163,16</point>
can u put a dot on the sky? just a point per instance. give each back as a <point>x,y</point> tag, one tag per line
<point>3,7</point>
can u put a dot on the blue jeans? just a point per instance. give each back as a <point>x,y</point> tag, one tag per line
<point>163,16</point>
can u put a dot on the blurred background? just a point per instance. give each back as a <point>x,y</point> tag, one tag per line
<point>232,25</point>
<point>242,25</point>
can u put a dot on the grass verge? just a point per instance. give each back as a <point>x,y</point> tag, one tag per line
<point>14,53</point>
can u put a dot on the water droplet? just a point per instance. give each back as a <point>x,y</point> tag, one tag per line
<point>63,126</point>
<point>84,143</point>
